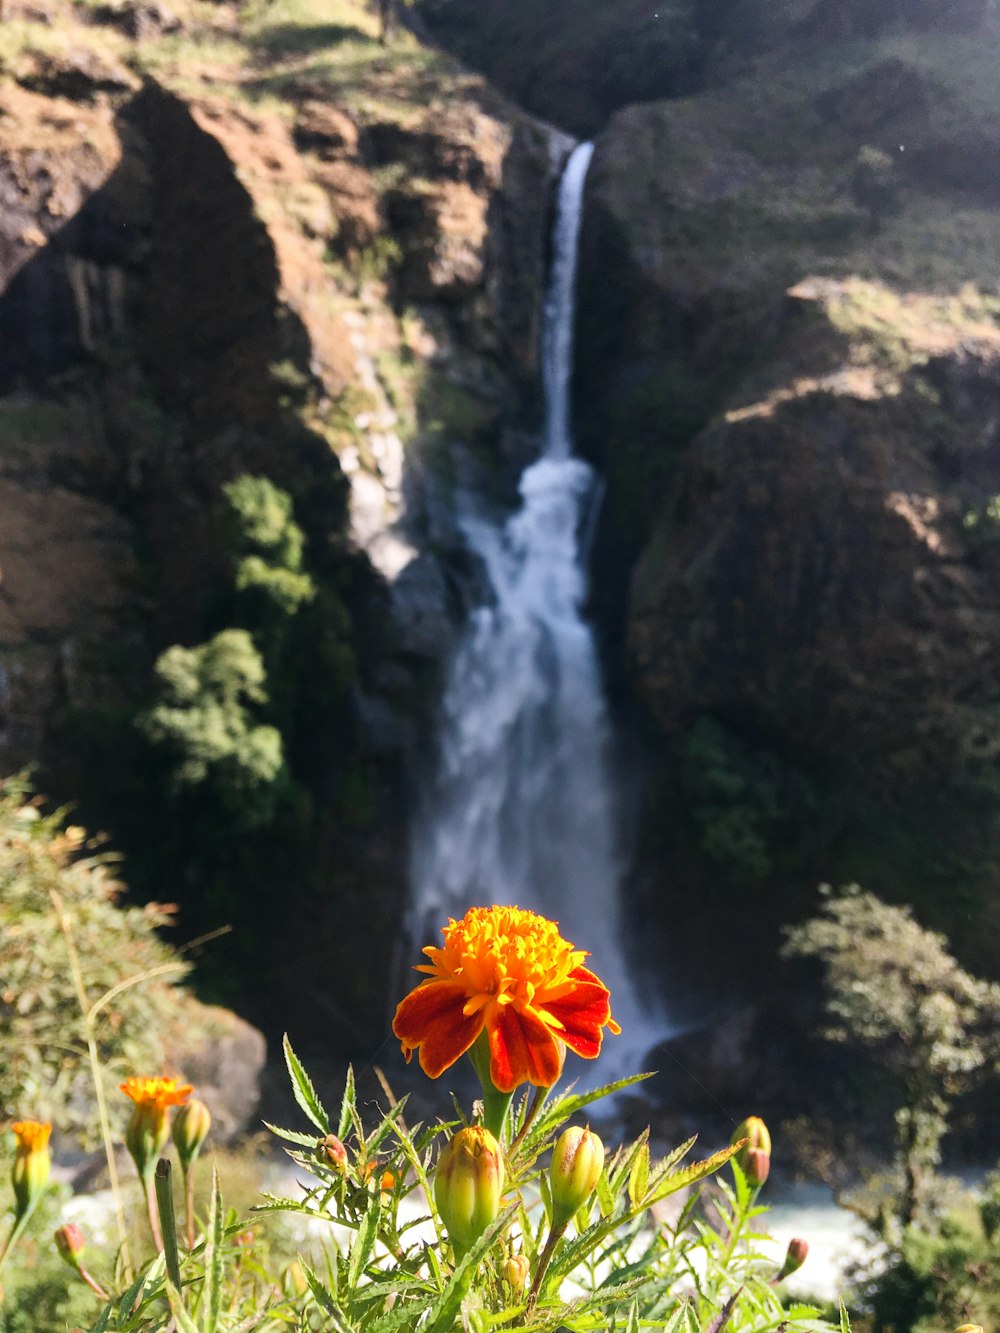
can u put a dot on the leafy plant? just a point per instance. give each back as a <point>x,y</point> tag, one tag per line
<point>205,725</point>
<point>77,968</point>
<point>893,988</point>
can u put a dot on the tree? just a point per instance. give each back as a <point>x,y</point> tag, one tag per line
<point>204,723</point>
<point>893,988</point>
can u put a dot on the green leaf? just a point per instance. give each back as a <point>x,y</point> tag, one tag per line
<point>303,1090</point>
<point>444,1311</point>
<point>292,1135</point>
<point>689,1175</point>
<point>184,1322</point>
<point>382,1132</point>
<point>845,1319</point>
<point>364,1242</point>
<point>322,1297</point>
<point>638,1178</point>
<point>213,1259</point>
<point>347,1107</point>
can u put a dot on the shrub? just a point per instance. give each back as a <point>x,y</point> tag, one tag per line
<point>66,942</point>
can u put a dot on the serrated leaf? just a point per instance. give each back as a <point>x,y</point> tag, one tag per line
<point>638,1177</point>
<point>320,1294</point>
<point>845,1319</point>
<point>304,1092</point>
<point>347,1108</point>
<point>292,1135</point>
<point>364,1241</point>
<point>689,1175</point>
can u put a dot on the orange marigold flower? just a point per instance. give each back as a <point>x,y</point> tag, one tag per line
<point>509,973</point>
<point>156,1093</point>
<point>32,1135</point>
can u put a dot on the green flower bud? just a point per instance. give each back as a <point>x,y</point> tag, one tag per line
<point>517,1269</point>
<point>795,1257</point>
<point>190,1129</point>
<point>468,1184</point>
<point>756,1133</point>
<point>71,1244</point>
<point>577,1162</point>
<point>32,1163</point>
<point>757,1167</point>
<point>146,1137</point>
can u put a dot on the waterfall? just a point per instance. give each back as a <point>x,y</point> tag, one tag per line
<point>522,808</point>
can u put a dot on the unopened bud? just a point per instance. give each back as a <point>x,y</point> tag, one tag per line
<point>517,1269</point>
<point>577,1162</point>
<point>969,1328</point>
<point>71,1244</point>
<point>756,1133</point>
<point>190,1130</point>
<point>32,1163</point>
<point>331,1151</point>
<point>468,1184</point>
<point>757,1167</point>
<point>795,1257</point>
<point>146,1137</point>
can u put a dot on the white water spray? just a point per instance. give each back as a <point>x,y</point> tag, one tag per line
<point>522,809</point>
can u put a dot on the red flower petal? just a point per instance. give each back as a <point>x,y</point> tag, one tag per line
<point>583,1012</point>
<point>522,1050</point>
<point>431,1018</point>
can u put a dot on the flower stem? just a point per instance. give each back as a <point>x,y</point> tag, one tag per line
<point>154,1221</point>
<point>189,1206</point>
<point>545,1258</point>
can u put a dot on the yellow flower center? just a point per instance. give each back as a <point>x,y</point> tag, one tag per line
<point>502,955</point>
<point>156,1093</point>
<point>31,1135</point>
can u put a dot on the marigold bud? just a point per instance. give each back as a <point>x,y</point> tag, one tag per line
<point>71,1244</point>
<point>757,1167</point>
<point>331,1151</point>
<point>468,1184</point>
<point>146,1136</point>
<point>795,1257</point>
<point>517,1269</point>
<point>190,1130</point>
<point>32,1163</point>
<point>756,1133</point>
<point>577,1162</point>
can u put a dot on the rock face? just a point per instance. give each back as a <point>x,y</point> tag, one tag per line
<point>325,274</point>
<point>794,390</point>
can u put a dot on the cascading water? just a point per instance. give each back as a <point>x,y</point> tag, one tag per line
<point>522,809</point>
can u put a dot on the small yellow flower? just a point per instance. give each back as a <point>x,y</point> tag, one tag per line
<point>32,1163</point>
<point>148,1129</point>
<point>158,1093</point>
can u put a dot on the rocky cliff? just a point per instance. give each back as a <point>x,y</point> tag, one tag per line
<point>262,244</point>
<point>793,389</point>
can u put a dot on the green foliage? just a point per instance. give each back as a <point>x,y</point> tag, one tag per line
<point>51,883</point>
<point>893,988</point>
<point>269,544</point>
<point>205,724</point>
<point>875,184</point>
<point>740,798</point>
